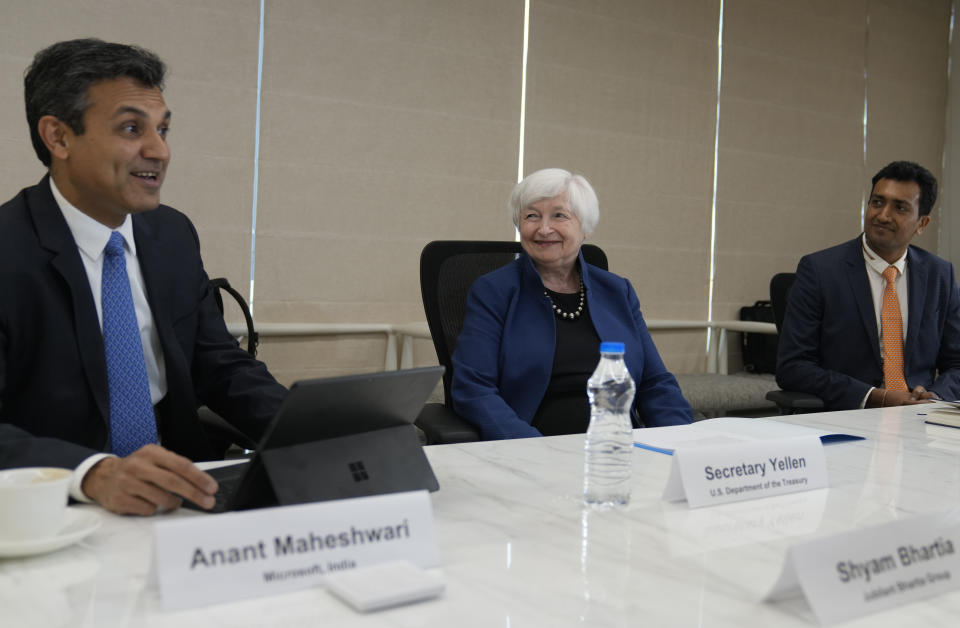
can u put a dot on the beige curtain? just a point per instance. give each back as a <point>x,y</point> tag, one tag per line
<point>384,126</point>
<point>907,56</point>
<point>792,173</point>
<point>625,94</point>
<point>791,140</point>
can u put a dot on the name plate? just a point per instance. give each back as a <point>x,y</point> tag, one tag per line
<point>718,474</point>
<point>221,558</point>
<point>868,570</point>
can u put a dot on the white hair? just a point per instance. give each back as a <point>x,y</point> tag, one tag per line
<point>550,182</point>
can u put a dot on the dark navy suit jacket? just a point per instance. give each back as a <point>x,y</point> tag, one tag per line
<point>830,347</point>
<point>53,378</point>
<point>504,355</point>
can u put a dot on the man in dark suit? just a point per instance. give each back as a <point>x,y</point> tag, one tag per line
<point>90,235</point>
<point>876,321</point>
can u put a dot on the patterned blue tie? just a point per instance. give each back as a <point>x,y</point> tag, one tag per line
<point>132,424</point>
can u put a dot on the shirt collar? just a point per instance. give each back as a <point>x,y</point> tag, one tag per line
<point>879,264</point>
<point>91,236</point>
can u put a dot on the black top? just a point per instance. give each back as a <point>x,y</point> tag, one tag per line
<point>565,408</point>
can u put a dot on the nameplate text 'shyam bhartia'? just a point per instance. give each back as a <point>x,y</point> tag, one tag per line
<point>867,570</point>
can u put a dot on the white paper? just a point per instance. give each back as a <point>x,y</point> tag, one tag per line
<point>220,558</point>
<point>952,404</point>
<point>722,431</point>
<point>864,571</point>
<point>746,470</point>
<point>384,585</point>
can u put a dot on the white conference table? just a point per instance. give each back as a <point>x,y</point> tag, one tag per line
<point>519,550</point>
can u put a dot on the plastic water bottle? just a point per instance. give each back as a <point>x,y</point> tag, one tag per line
<point>609,443</point>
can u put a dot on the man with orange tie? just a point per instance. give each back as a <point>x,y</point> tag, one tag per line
<point>875,321</point>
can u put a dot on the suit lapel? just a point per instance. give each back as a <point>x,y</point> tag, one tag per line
<point>55,237</point>
<point>916,301</point>
<point>541,342</point>
<point>157,281</point>
<point>860,288</point>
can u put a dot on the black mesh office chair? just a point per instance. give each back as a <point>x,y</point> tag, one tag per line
<point>220,433</point>
<point>222,285</point>
<point>789,402</point>
<point>447,270</point>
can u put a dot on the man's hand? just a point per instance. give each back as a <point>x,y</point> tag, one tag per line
<point>882,398</point>
<point>920,394</point>
<point>151,477</point>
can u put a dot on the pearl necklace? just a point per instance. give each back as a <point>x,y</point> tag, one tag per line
<point>572,316</point>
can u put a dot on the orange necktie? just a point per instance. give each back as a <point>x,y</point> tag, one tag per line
<point>891,327</point>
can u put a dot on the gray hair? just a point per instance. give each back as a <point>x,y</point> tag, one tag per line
<point>58,80</point>
<point>550,182</point>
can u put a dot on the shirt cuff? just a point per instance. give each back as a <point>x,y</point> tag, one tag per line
<point>79,473</point>
<point>863,402</point>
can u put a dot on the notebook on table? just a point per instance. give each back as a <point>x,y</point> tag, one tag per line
<point>335,438</point>
<point>948,416</point>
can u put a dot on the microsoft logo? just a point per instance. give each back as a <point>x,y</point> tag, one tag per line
<point>358,471</point>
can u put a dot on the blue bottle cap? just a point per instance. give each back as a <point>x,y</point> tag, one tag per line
<point>612,347</point>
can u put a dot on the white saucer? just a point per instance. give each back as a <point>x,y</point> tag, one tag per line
<point>79,523</point>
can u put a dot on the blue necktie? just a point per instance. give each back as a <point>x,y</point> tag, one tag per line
<point>132,424</point>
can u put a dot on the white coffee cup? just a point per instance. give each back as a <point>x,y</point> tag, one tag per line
<point>33,502</point>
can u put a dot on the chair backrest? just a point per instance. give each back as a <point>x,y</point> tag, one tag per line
<point>221,283</point>
<point>780,286</point>
<point>447,270</point>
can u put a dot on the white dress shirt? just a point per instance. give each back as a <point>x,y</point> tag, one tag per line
<point>91,238</point>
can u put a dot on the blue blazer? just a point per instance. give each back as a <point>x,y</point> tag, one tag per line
<point>829,344</point>
<point>53,375</point>
<point>504,355</point>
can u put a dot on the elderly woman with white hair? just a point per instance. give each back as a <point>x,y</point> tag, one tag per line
<point>532,329</point>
